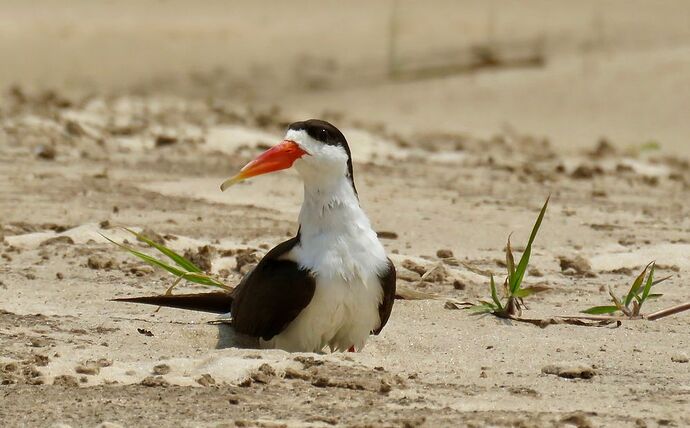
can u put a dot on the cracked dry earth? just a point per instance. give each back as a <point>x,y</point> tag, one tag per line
<point>71,170</point>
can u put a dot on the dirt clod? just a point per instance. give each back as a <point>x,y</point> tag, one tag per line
<point>414,267</point>
<point>577,266</point>
<point>680,358</point>
<point>202,257</point>
<point>66,240</point>
<point>66,380</point>
<point>444,253</point>
<point>206,380</point>
<point>161,369</point>
<point>99,261</point>
<point>570,370</point>
<point>154,381</point>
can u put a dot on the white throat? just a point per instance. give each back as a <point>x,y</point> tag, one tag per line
<point>335,234</point>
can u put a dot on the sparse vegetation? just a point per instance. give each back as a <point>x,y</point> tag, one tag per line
<point>636,296</point>
<point>630,305</point>
<point>184,269</point>
<point>514,292</point>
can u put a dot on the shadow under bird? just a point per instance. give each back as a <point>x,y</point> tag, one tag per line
<point>332,284</point>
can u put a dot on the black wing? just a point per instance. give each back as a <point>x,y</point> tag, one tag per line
<point>272,295</point>
<point>387,280</point>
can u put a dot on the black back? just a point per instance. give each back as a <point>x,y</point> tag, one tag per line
<point>326,133</point>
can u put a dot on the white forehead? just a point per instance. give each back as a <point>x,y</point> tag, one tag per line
<point>314,147</point>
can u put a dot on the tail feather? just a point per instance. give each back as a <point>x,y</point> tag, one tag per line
<point>216,302</point>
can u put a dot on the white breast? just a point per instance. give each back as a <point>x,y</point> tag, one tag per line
<point>339,247</point>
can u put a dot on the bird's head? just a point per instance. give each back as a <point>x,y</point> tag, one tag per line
<point>317,149</point>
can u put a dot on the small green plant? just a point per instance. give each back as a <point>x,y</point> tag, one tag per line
<point>513,290</point>
<point>184,269</point>
<point>631,304</point>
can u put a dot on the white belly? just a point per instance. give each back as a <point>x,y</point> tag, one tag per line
<point>341,315</point>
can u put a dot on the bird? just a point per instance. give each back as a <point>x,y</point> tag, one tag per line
<point>332,285</point>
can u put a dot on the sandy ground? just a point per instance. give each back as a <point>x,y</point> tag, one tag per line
<point>74,169</point>
<point>455,162</point>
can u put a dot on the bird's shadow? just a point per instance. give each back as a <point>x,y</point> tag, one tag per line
<point>229,338</point>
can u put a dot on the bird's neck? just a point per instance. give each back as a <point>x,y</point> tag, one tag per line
<point>330,205</point>
<point>334,228</point>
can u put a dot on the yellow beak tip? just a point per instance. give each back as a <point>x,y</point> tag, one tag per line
<point>229,182</point>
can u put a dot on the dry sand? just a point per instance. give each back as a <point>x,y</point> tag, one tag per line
<point>71,356</point>
<point>115,148</point>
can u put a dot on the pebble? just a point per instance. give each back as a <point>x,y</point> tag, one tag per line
<point>570,370</point>
<point>444,253</point>
<point>680,358</point>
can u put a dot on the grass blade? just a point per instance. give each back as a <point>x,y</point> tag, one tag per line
<point>636,285</point>
<point>600,310</point>
<point>179,260</point>
<point>196,277</point>
<point>648,284</point>
<point>510,261</point>
<point>524,260</point>
<point>485,307</point>
<point>494,295</point>
<point>148,259</point>
<point>618,303</point>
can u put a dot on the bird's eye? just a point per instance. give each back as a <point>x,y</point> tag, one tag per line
<point>323,134</point>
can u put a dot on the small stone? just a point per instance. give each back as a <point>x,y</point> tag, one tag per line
<point>38,342</point>
<point>535,272</point>
<point>201,257</point>
<point>414,267</point>
<point>585,172</point>
<point>165,140</point>
<point>578,266</point>
<point>66,380</point>
<point>245,257</point>
<point>99,261</point>
<point>59,275</point>
<point>206,380</point>
<point>570,370</point>
<point>385,387</point>
<point>154,381</point>
<point>161,369</point>
<point>387,235</point>
<point>444,253</point>
<point>680,358</point>
<point>267,369</point>
<point>90,368</point>
<point>152,235</point>
<point>74,129</point>
<point>141,270</point>
<point>437,274</point>
<point>57,240</point>
<point>292,373</point>
<point>104,362</point>
<point>459,285</point>
<point>46,152</point>
<point>579,419</point>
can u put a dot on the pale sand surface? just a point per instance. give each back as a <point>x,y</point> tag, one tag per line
<point>70,356</point>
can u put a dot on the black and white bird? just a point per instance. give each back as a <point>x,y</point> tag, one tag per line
<point>332,285</point>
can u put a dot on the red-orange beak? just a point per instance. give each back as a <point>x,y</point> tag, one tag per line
<point>278,157</point>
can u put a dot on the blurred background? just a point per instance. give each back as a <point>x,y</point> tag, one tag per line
<point>571,71</point>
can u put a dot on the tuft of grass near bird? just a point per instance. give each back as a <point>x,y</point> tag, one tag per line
<point>181,267</point>
<point>512,303</point>
<point>630,305</point>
